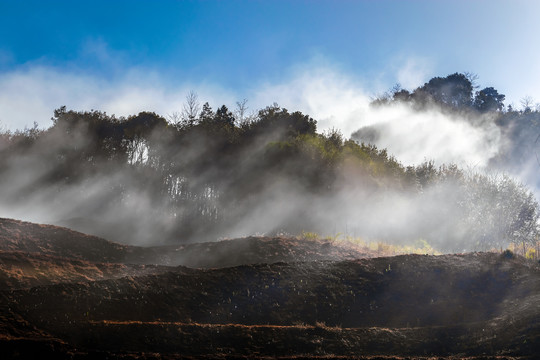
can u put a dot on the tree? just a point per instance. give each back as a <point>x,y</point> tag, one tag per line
<point>191,108</point>
<point>207,114</point>
<point>473,79</point>
<point>273,118</point>
<point>499,211</point>
<point>402,95</point>
<point>241,110</point>
<point>454,90</point>
<point>526,104</point>
<point>224,116</point>
<point>489,99</point>
<point>138,131</point>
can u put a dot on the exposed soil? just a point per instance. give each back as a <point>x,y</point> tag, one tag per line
<point>25,270</point>
<point>62,242</point>
<point>319,301</point>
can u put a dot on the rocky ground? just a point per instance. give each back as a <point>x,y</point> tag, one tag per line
<point>73,296</point>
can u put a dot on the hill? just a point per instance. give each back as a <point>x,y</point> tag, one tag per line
<point>57,241</point>
<point>19,236</point>
<point>476,305</point>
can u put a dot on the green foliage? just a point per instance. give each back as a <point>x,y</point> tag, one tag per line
<point>311,236</point>
<point>453,92</point>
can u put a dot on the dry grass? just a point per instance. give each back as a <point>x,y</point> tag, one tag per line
<point>371,247</point>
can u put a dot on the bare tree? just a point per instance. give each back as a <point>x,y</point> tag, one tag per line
<point>175,118</point>
<point>527,103</point>
<point>396,88</point>
<point>191,108</point>
<point>241,110</point>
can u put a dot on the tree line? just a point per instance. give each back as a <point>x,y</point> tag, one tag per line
<point>190,177</point>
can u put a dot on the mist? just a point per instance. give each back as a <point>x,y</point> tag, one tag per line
<point>330,95</point>
<point>144,181</point>
<point>414,137</point>
<point>428,174</point>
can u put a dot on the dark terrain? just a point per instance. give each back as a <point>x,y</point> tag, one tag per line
<point>73,296</point>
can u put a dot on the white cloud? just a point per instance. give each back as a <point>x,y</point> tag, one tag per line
<point>414,136</point>
<point>32,94</point>
<point>330,96</point>
<point>414,73</point>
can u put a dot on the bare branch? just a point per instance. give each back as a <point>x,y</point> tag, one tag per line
<point>241,110</point>
<point>473,78</point>
<point>191,108</point>
<point>527,103</point>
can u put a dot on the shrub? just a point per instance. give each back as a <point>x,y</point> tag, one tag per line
<point>507,254</point>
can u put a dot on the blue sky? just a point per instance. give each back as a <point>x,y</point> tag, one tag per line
<point>321,57</point>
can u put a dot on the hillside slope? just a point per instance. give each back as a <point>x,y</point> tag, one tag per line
<point>25,270</point>
<point>52,240</point>
<point>478,305</point>
<point>62,242</point>
<point>407,305</point>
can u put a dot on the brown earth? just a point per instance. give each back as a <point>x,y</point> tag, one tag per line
<point>477,305</point>
<point>62,242</point>
<point>25,270</point>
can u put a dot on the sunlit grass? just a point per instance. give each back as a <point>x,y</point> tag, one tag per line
<point>380,248</point>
